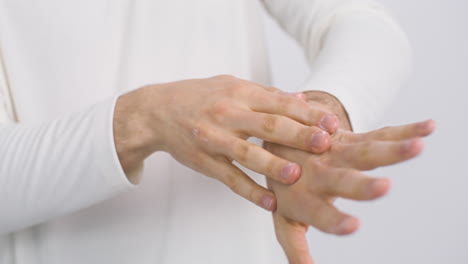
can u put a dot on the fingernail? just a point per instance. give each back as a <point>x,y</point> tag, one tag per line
<point>318,140</point>
<point>289,172</point>
<point>329,123</point>
<point>267,202</point>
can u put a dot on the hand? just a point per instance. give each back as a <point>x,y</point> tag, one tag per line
<point>204,124</point>
<point>337,173</point>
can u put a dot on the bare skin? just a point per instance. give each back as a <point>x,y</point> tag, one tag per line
<point>204,124</point>
<point>335,173</point>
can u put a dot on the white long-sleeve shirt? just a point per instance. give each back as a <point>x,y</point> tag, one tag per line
<point>64,197</point>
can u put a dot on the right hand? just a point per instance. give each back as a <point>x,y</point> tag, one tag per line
<point>204,124</point>
<point>338,173</point>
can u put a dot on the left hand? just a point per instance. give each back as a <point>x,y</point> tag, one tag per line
<point>337,173</point>
<point>204,124</point>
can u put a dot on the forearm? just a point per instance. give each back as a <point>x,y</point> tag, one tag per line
<point>356,50</point>
<point>54,168</point>
<point>364,61</point>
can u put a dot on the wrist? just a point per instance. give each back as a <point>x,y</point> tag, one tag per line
<point>332,104</point>
<point>133,136</point>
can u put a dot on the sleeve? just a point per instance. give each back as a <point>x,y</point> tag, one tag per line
<point>50,169</point>
<point>356,50</point>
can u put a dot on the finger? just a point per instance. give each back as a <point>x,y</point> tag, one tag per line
<point>293,107</point>
<point>239,182</point>
<point>292,237</point>
<point>282,130</point>
<point>372,154</point>
<point>420,129</point>
<point>250,156</point>
<point>287,153</point>
<point>325,217</point>
<point>260,160</point>
<point>352,184</point>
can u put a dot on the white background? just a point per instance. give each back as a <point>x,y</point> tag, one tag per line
<point>424,219</point>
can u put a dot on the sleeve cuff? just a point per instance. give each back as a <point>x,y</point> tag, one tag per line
<point>347,100</point>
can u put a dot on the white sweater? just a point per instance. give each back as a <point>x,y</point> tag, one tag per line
<point>63,195</point>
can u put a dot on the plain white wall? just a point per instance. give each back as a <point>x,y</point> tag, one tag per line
<point>424,219</point>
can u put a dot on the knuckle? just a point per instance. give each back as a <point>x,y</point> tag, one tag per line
<point>232,182</point>
<point>224,77</point>
<point>236,88</point>
<point>254,196</point>
<point>367,158</point>
<point>272,169</point>
<point>269,123</point>
<point>219,111</point>
<point>233,87</point>
<point>364,151</point>
<point>242,150</point>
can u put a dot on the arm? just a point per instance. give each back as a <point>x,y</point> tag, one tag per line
<point>357,52</point>
<point>78,160</point>
<point>50,169</point>
<point>337,172</point>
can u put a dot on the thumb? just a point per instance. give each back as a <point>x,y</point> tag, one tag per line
<point>292,237</point>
